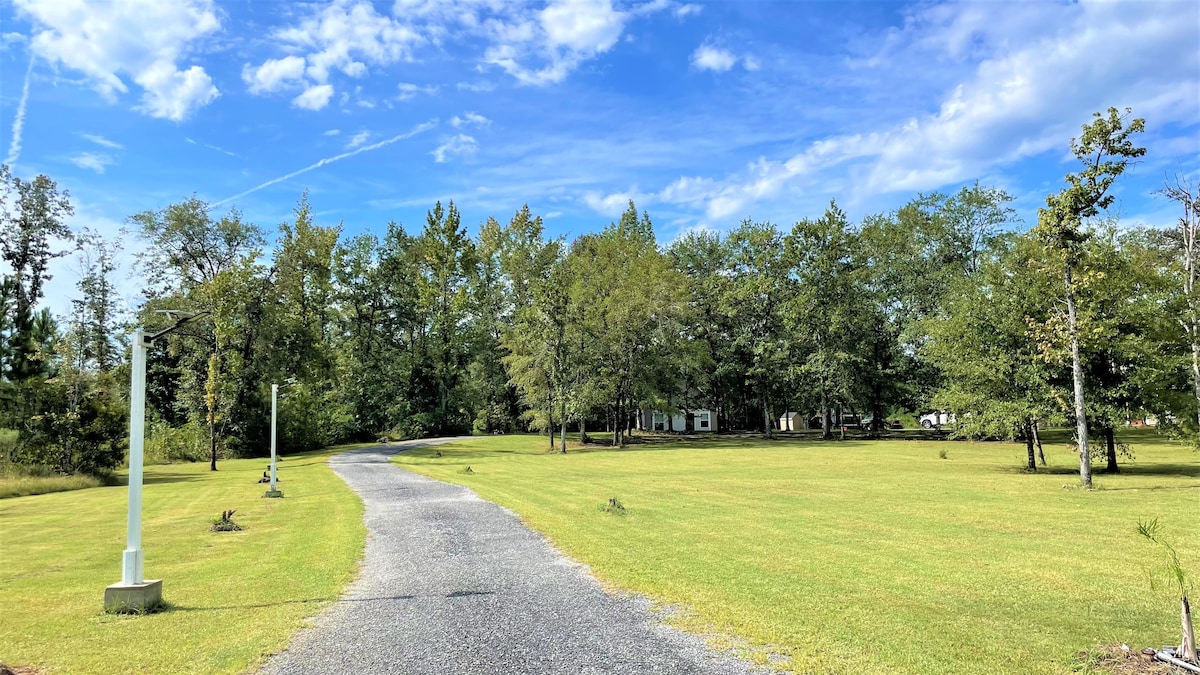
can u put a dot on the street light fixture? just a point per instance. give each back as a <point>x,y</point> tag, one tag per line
<point>133,592</point>
<point>274,491</point>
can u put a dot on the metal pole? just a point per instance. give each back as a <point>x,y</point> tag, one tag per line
<point>133,558</point>
<point>274,402</point>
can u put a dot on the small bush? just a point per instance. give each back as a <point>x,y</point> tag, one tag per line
<point>943,454</point>
<point>224,522</point>
<point>614,506</point>
<point>166,444</point>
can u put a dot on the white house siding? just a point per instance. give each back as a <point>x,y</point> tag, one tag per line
<point>658,421</point>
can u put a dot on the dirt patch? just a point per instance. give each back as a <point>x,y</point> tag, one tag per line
<point>1119,660</point>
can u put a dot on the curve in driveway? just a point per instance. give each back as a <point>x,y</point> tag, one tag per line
<point>454,584</point>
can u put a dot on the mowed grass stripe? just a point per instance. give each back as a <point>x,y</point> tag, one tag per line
<point>861,556</point>
<point>235,596</point>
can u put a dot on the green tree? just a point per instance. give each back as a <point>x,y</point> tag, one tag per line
<point>446,259</point>
<point>31,222</point>
<point>1105,151</point>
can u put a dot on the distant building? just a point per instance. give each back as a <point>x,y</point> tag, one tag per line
<point>791,421</point>
<point>687,420</point>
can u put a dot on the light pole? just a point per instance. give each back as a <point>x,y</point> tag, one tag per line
<point>133,592</point>
<point>273,492</point>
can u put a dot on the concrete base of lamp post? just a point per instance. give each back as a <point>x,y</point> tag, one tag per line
<point>274,493</point>
<point>134,598</point>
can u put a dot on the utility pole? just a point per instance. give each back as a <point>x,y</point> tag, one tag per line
<point>273,492</point>
<point>133,592</point>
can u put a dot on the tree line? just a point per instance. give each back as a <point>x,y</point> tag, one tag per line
<point>944,303</point>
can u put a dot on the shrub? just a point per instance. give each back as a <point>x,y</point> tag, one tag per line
<point>614,506</point>
<point>166,444</point>
<point>224,522</point>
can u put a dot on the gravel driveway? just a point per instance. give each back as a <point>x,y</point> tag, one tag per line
<point>454,584</point>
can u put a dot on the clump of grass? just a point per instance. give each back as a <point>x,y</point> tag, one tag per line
<point>614,506</point>
<point>1113,659</point>
<point>467,470</point>
<point>943,454</point>
<point>224,522</point>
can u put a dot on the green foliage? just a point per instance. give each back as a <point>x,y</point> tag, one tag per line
<point>166,444</point>
<point>1172,569</point>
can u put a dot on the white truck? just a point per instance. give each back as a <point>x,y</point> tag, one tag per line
<point>939,418</point>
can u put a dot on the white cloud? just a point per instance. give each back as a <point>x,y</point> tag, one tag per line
<point>172,93</point>
<point>469,119</point>
<point>139,39</point>
<point>560,37</point>
<point>346,35</point>
<point>1026,96</point>
<point>315,97</point>
<point>459,144</point>
<point>614,204</point>
<point>358,139</point>
<point>100,140</point>
<point>686,10</point>
<point>93,161</point>
<point>332,132</point>
<point>409,90</point>
<point>274,75</point>
<point>708,56</point>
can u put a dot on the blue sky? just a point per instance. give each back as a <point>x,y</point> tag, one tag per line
<point>704,113</point>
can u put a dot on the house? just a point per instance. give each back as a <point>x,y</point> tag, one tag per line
<point>687,420</point>
<point>791,421</point>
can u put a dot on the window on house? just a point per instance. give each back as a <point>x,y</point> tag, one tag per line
<point>702,420</point>
<point>660,422</point>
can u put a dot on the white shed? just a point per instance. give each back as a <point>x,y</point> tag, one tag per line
<point>790,421</point>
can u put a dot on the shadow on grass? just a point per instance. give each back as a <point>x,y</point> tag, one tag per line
<point>1147,469</point>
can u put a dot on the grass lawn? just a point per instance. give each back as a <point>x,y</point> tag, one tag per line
<point>235,596</point>
<point>862,556</point>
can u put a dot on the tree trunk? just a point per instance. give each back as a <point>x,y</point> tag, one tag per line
<point>1196,367</point>
<point>1081,428</point>
<point>563,436</point>
<point>212,442</point>
<point>877,414</point>
<point>582,431</point>
<point>1031,462</point>
<point>766,418</point>
<point>1111,447</point>
<point>1188,648</point>
<point>824,413</point>
<point>1037,438</point>
<point>616,431</point>
<point>841,423</point>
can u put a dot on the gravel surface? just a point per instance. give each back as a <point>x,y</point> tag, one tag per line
<point>455,584</point>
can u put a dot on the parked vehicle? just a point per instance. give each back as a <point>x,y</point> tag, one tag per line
<point>939,418</point>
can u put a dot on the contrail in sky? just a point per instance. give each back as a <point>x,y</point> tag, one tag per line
<point>14,148</point>
<point>424,126</point>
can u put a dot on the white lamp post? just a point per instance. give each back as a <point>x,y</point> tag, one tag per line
<point>273,492</point>
<point>134,593</point>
